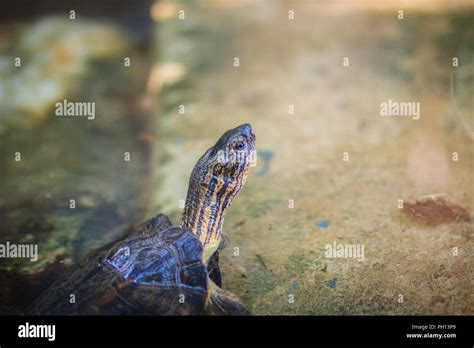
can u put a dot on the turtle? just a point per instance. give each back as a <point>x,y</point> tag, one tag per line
<point>160,268</point>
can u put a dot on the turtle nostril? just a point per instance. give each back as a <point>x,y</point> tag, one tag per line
<point>247,129</point>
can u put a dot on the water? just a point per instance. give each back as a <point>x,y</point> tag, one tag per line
<point>65,184</point>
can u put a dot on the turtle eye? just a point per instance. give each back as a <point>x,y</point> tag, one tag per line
<point>239,145</point>
<point>218,169</point>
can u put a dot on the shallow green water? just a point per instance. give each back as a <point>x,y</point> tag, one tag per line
<point>65,184</point>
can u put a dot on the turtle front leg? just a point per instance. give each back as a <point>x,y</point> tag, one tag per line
<point>223,302</point>
<point>213,269</point>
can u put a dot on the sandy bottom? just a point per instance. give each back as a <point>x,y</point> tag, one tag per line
<point>333,171</point>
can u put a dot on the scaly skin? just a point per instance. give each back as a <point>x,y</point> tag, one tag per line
<point>216,179</point>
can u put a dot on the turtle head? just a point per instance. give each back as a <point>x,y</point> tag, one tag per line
<point>216,179</point>
<point>232,155</point>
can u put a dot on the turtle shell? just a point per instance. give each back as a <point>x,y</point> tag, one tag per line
<point>155,270</point>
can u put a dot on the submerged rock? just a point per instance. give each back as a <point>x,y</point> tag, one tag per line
<point>435,211</point>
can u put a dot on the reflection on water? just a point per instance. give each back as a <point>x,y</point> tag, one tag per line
<point>66,183</point>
